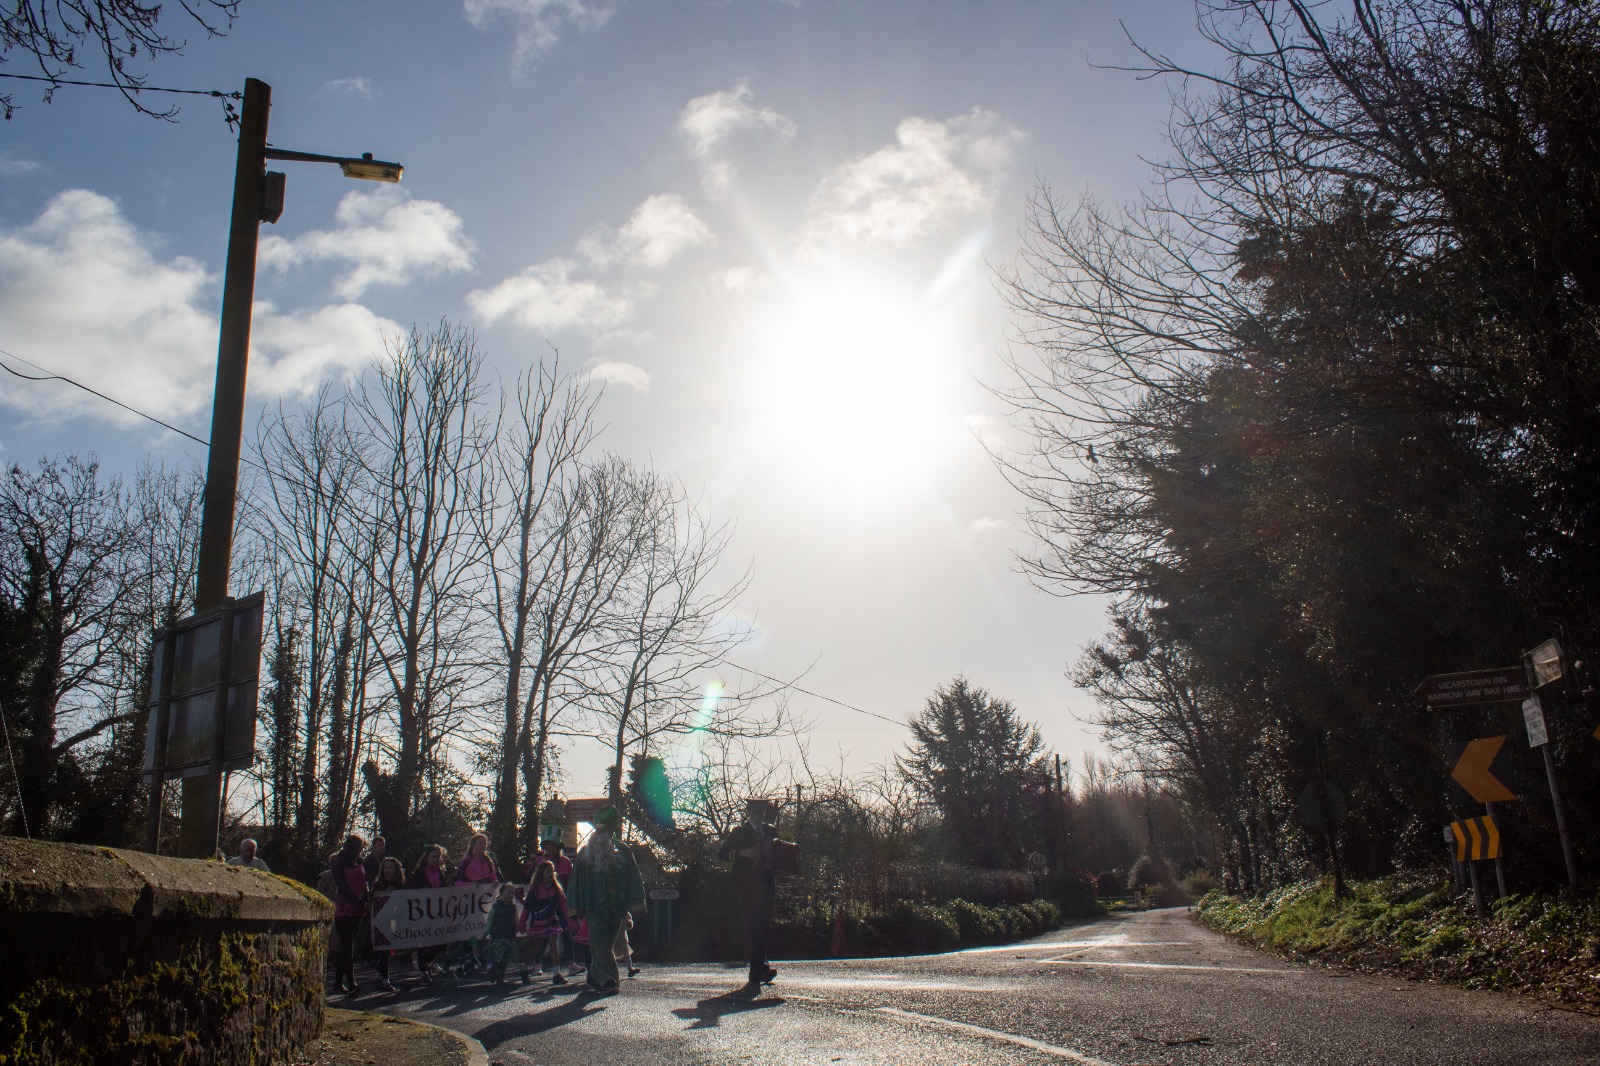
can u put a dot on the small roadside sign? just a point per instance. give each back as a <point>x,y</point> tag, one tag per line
<point>663,893</point>
<point>1482,767</point>
<point>1322,805</point>
<point>1533,717</point>
<point>1503,684</point>
<point>1476,838</point>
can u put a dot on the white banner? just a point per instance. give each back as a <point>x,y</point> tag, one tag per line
<point>423,917</point>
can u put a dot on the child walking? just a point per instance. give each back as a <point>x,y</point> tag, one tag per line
<point>502,932</point>
<point>391,878</point>
<point>544,916</point>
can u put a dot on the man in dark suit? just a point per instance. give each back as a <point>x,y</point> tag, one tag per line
<point>749,848</point>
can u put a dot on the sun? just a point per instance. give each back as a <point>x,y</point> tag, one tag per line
<point>851,382</point>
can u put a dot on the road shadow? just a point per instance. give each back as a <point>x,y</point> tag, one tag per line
<point>709,1012</point>
<point>564,1012</point>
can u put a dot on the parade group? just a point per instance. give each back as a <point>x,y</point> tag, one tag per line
<point>572,913</point>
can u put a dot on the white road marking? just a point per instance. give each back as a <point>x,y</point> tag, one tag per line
<point>993,1034</point>
<point>1172,966</point>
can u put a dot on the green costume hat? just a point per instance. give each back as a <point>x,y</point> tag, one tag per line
<point>608,816</point>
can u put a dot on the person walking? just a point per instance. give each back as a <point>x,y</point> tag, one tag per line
<point>429,872</point>
<point>502,932</point>
<point>350,899</point>
<point>391,878</point>
<point>605,886</point>
<point>544,918</point>
<point>755,883</point>
<point>375,856</point>
<point>477,867</point>
<point>551,851</point>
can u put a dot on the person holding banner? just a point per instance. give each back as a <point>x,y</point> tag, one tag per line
<point>391,877</point>
<point>478,867</point>
<point>605,886</point>
<point>429,873</point>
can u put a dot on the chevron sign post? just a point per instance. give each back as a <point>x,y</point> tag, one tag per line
<point>1476,838</point>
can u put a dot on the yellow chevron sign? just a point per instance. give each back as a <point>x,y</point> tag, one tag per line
<point>1476,838</point>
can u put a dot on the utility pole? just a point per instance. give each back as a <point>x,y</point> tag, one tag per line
<point>202,794</point>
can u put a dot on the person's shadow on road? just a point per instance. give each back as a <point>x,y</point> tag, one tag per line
<point>563,1013</point>
<point>708,1013</point>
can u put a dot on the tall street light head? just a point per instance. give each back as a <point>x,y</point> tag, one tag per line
<point>369,169</point>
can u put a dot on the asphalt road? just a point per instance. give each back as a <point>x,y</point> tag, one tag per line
<point>1153,988</point>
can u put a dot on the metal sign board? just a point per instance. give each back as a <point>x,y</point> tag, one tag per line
<point>1322,805</point>
<point>1544,663</point>
<point>1476,838</point>
<point>1503,684</point>
<point>1482,767</point>
<point>204,673</point>
<point>1533,718</point>
<point>663,893</point>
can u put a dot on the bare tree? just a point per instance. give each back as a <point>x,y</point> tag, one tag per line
<point>52,32</point>
<point>535,459</point>
<point>64,534</point>
<point>667,630</point>
<point>421,420</point>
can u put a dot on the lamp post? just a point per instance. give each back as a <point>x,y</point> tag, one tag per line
<point>257,198</point>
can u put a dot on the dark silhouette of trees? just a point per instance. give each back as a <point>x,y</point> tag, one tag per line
<point>983,768</point>
<point>1318,407</point>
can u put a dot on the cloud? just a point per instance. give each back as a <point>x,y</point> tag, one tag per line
<point>661,229</point>
<point>708,123</point>
<point>361,87</point>
<point>935,175</point>
<point>547,298</point>
<point>294,353</point>
<point>388,238</point>
<point>82,293</point>
<point>980,526</point>
<point>736,280</point>
<point>986,428</point>
<point>10,165</point>
<point>624,374</point>
<point>539,22</point>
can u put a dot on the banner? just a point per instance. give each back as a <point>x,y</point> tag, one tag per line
<point>423,917</point>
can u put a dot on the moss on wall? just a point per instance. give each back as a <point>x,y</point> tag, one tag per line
<point>191,985</point>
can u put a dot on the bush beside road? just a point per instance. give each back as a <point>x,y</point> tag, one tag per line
<point>1418,925</point>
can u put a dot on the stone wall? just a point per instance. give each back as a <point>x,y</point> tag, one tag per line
<point>111,956</point>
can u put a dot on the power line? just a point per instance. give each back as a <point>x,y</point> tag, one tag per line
<point>51,376</point>
<point>814,695</point>
<point>218,93</point>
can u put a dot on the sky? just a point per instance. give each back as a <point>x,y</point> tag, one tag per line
<point>771,229</point>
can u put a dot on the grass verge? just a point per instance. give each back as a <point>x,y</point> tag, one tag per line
<point>1416,924</point>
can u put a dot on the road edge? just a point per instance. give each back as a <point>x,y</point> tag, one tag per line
<point>477,1054</point>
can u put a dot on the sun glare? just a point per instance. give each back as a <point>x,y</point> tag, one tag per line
<point>852,382</point>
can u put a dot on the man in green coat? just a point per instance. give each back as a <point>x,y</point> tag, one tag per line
<point>605,886</point>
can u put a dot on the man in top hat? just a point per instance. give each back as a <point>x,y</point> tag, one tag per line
<point>605,886</point>
<point>755,882</point>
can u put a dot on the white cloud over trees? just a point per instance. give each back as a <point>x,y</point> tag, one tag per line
<point>546,297</point>
<point>385,237</point>
<point>83,294</point>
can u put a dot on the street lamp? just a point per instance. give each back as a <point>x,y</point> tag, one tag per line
<point>257,198</point>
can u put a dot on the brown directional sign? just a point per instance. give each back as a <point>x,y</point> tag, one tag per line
<point>1476,838</point>
<point>583,810</point>
<point>1505,684</point>
<point>1481,767</point>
